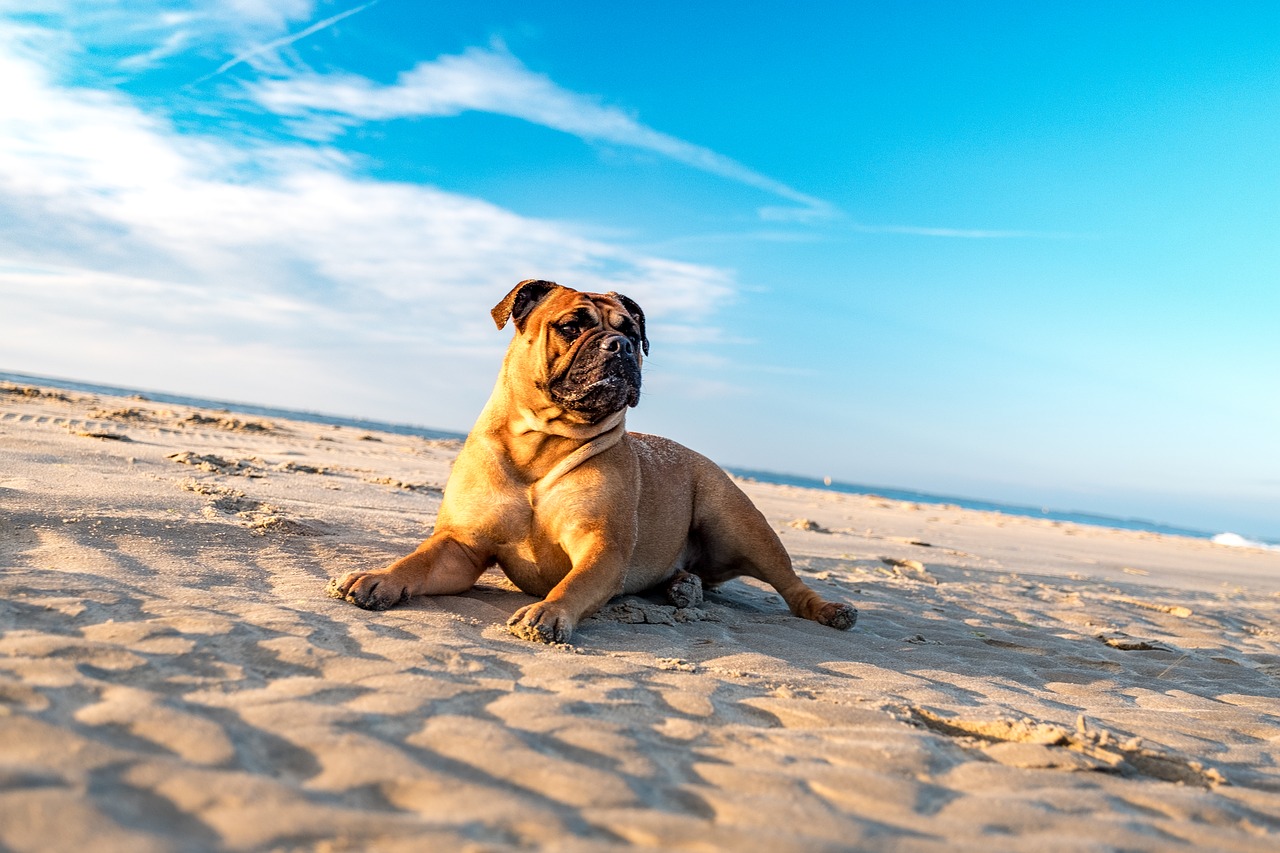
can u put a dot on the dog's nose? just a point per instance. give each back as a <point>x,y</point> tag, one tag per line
<point>617,344</point>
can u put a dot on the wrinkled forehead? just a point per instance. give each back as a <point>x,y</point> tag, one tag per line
<point>587,307</point>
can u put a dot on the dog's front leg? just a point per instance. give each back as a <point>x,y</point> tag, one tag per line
<point>442,565</point>
<point>597,575</point>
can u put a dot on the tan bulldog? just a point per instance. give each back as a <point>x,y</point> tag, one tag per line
<point>574,509</point>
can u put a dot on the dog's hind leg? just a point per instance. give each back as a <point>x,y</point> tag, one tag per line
<point>737,540</point>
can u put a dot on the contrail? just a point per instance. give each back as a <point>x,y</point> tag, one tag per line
<point>283,41</point>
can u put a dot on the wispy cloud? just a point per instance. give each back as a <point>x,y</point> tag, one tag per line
<point>171,45</point>
<point>493,80</point>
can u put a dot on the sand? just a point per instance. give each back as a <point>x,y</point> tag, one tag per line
<point>174,677</point>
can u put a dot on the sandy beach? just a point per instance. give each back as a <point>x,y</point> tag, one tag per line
<point>174,677</point>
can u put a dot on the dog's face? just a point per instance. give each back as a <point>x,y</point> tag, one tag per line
<point>579,351</point>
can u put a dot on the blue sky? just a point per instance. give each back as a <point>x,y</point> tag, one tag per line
<point>1009,251</point>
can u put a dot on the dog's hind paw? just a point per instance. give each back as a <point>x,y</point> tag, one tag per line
<point>685,590</point>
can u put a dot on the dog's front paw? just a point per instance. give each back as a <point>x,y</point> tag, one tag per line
<point>839,616</point>
<point>370,590</point>
<point>541,622</point>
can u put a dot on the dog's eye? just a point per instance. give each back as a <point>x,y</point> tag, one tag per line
<point>569,330</point>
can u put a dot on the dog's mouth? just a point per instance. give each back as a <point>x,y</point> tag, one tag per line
<point>598,384</point>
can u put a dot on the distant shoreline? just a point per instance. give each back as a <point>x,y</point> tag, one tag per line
<point>1072,516</point>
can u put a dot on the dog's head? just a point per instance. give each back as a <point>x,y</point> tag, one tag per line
<point>582,352</point>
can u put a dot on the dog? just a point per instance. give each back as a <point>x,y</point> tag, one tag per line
<point>575,510</point>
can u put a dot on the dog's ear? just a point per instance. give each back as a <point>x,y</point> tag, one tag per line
<point>517,304</point>
<point>637,314</point>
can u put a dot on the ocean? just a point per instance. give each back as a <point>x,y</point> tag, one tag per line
<point>1077,517</point>
<point>1074,516</point>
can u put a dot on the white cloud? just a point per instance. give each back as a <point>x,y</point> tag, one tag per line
<point>492,80</point>
<point>130,250</point>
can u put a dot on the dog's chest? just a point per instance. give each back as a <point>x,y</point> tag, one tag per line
<point>527,547</point>
<point>504,513</point>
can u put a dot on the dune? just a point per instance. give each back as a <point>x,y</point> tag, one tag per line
<point>173,675</point>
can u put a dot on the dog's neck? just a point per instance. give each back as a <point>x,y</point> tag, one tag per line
<point>544,441</point>
<point>552,422</point>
